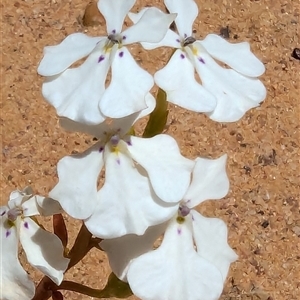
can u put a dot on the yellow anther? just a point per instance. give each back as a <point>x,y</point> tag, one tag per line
<point>195,51</point>
<point>180,219</point>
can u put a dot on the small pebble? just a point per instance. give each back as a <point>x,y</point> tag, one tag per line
<point>296,53</point>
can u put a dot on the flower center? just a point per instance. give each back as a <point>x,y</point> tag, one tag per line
<point>188,41</point>
<point>114,141</point>
<point>183,211</point>
<point>115,38</point>
<point>12,216</point>
<point>14,213</point>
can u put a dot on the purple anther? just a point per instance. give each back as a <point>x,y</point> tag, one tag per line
<point>121,54</point>
<point>3,213</point>
<point>101,149</point>
<point>178,40</point>
<point>26,225</point>
<point>185,35</point>
<point>129,143</point>
<point>113,31</point>
<point>179,231</point>
<point>114,140</point>
<point>13,213</point>
<point>118,161</point>
<point>7,234</point>
<point>182,56</point>
<point>124,37</point>
<point>184,210</point>
<point>101,58</point>
<point>201,60</point>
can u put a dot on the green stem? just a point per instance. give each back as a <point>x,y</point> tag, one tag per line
<point>158,118</point>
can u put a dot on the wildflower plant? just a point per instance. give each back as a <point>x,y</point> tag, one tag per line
<point>150,190</point>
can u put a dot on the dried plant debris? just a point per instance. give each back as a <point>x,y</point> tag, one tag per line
<point>268,159</point>
<point>225,32</point>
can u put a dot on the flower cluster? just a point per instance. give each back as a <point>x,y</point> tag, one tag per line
<point>150,190</point>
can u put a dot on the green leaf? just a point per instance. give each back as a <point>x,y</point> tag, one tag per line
<point>158,118</point>
<point>116,288</point>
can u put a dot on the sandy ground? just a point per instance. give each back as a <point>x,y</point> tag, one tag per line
<point>262,208</point>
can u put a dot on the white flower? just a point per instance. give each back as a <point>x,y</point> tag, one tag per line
<point>193,260</point>
<point>144,180</point>
<point>79,93</point>
<point>224,94</point>
<point>43,249</point>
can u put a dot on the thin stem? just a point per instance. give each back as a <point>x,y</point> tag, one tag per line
<point>81,247</point>
<point>44,289</point>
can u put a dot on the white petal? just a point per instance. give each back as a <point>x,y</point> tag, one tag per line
<point>177,78</point>
<point>73,126</point>
<point>234,92</point>
<point>101,131</point>
<point>128,88</point>
<point>76,190</point>
<point>210,235</point>
<point>35,205</point>
<point>175,270</point>
<point>43,249</point>
<point>76,92</point>
<point>171,39</point>
<point>122,125</point>
<point>122,250</point>
<point>15,198</point>
<point>126,202</point>
<point>151,103</point>
<point>48,206</point>
<point>151,27</point>
<point>58,58</point>
<point>209,181</point>
<point>187,12</point>
<point>168,170</point>
<point>238,56</point>
<point>18,196</point>
<point>114,13</point>
<point>14,283</point>
<point>30,207</point>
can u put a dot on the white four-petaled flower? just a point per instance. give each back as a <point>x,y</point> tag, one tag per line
<point>144,179</point>
<point>43,249</point>
<point>225,94</point>
<point>80,93</point>
<point>193,260</point>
